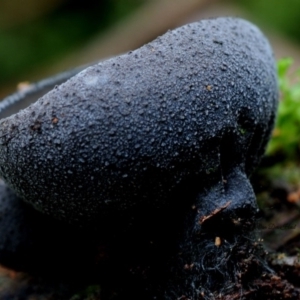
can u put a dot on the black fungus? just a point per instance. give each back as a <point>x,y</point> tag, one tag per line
<point>192,110</point>
<point>150,153</point>
<point>32,241</point>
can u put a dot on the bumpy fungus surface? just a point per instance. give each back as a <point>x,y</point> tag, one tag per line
<point>194,104</point>
<point>165,136</point>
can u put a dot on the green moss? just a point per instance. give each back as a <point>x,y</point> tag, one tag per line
<point>92,292</point>
<point>286,135</point>
<point>288,173</point>
<point>284,147</point>
<point>243,131</point>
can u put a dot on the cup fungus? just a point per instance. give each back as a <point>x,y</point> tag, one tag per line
<point>177,126</point>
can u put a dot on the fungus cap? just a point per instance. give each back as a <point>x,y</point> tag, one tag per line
<point>182,112</point>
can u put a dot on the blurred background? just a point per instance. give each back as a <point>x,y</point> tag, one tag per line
<point>41,38</point>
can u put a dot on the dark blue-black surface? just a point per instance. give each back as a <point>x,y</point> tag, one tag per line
<point>142,148</point>
<point>129,130</point>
